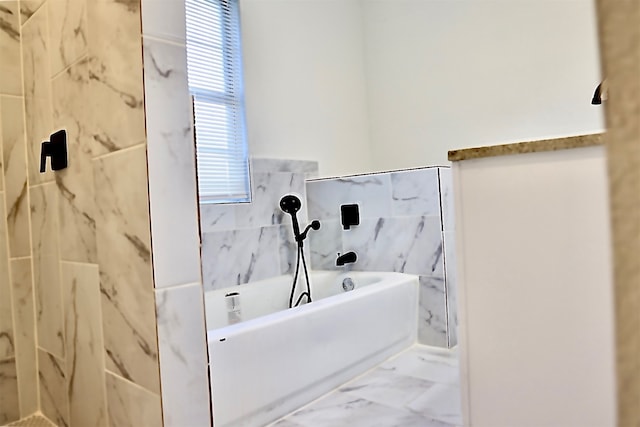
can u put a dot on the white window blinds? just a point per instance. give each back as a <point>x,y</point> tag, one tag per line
<point>215,82</point>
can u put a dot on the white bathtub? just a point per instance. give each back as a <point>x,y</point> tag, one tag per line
<point>264,368</point>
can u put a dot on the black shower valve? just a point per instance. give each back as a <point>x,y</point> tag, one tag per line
<point>56,148</point>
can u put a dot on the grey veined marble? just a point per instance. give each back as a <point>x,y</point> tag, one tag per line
<point>417,388</point>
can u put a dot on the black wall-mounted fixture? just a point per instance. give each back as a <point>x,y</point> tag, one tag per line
<point>348,258</point>
<point>600,93</point>
<point>350,215</point>
<point>56,148</point>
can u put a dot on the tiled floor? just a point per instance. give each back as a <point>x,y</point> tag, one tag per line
<point>33,421</point>
<point>418,388</point>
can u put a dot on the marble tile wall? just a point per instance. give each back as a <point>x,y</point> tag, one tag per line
<point>405,226</point>
<point>18,370</point>
<point>173,208</point>
<point>246,242</point>
<point>78,337</point>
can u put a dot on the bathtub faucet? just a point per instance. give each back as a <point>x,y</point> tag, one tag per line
<point>348,258</point>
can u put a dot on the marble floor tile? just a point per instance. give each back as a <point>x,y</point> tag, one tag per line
<point>440,402</point>
<point>393,394</point>
<point>387,388</point>
<point>342,409</point>
<point>426,363</point>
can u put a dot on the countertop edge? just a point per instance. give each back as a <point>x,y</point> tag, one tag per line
<point>554,144</point>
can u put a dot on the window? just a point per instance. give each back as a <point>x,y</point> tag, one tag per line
<point>215,81</point>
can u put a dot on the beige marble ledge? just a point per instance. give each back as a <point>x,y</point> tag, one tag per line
<point>527,147</point>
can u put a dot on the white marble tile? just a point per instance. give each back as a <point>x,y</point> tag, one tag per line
<point>325,244</point>
<point>342,409</point>
<point>217,217</point>
<point>451,286</point>
<point>54,401</point>
<point>446,197</point>
<point>46,268</point>
<point>130,405</point>
<point>239,256</point>
<point>164,19</point>
<point>267,188</point>
<point>284,423</point>
<point>426,363</point>
<point>28,8</point>
<point>85,345</point>
<point>126,277</point>
<point>68,32</point>
<point>288,249</point>
<point>371,192</point>
<point>10,69</point>
<point>75,185</point>
<point>9,406</point>
<point>15,176</point>
<point>402,244</point>
<point>115,63</point>
<point>25,339</point>
<point>183,356</point>
<point>171,149</point>
<point>432,315</point>
<point>283,165</point>
<point>440,402</point>
<point>387,388</point>
<point>416,192</point>
<point>37,92</point>
<point>7,347</point>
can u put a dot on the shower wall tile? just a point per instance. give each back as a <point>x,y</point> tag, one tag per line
<point>217,217</point>
<point>452,286</point>
<point>85,345</point>
<point>130,405</point>
<point>126,283</point>
<point>407,238</point>
<point>446,199</point>
<point>235,257</point>
<point>115,67</point>
<point>288,248</point>
<point>410,245</point>
<point>15,176</point>
<point>182,348</point>
<point>54,401</point>
<point>267,188</point>
<point>432,316</point>
<point>415,193</point>
<point>67,31</point>
<point>25,339</point>
<point>7,347</point>
<point>37,92</point>
<point>307,167</point>
<point>371,192</point>
<point>75,185</point>
<point>10,80</point>
<point>170,148</point>
<point>164,19</point>
<point>325,244</point>
<point>9,405</point>
<point>46,268</point>
<point>28,8</point>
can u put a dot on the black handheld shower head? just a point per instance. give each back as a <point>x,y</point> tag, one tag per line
<point>290,204</point>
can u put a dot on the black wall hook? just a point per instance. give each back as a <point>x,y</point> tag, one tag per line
<point>56,148</point>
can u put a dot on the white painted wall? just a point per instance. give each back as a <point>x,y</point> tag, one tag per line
<point>451,74</point>
<point>370,85</point>
<point>305,86</point>
<point>535,290</point>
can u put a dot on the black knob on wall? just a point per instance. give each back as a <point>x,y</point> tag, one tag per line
<point>56,148</point>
